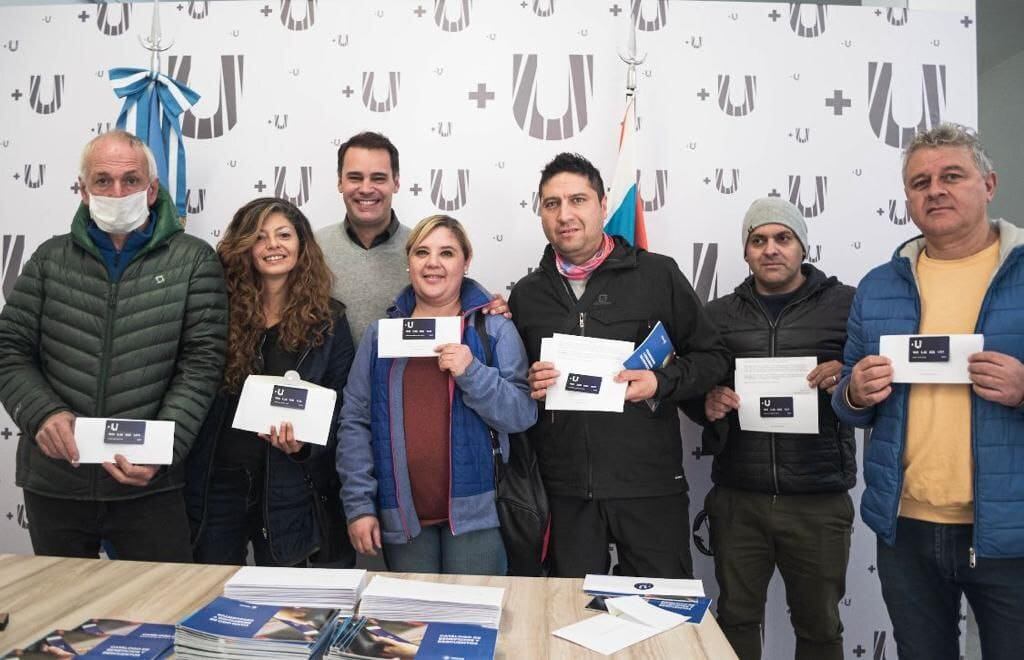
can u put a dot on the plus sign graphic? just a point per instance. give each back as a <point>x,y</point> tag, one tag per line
<point>698,451</point>
<point>16,176</point>
<point>266,11</point>
<point>966,21</point>
<point>523,204</point>
<point>481,95</point>
<point>878,12</point>
<point>10,516</point>
<point>419,11</point>
<point>615,10</point>
<point>6,433</point>
<point>83,16</point>
<point>75,187</point>
<point>416,190</point>
<point>511,285</point>
<point>774,193</point>
<point>880,211</point>
<point>859,651</point>
<point>260,186</point>
<point>348,91</point>
<point>871,568</point>
<point>16,95</point>
<point>180,6</point>
<point>703,94</point>
<point>775,15</point>
<point>837,102</point>
<point>523,4</point>
<point>707,181</point>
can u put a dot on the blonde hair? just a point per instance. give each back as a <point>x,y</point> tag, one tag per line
<point>423,228</point>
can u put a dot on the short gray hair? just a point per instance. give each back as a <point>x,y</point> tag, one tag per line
<point>120,134</point>
<point>948,134</point>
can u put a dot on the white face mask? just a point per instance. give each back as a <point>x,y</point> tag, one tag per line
<point>119,215</point>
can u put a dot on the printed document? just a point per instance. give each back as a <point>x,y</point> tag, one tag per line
<point>775,396</point>
<point>587,368</point>
<point>269,400</point>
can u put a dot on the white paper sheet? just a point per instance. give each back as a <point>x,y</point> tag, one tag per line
<point>605,633</point>
<point>930,358</point>
<point>775,396</point>
<point>417,337</point>
<point>99,438</point>
<point>587,368</point>
<point>269,400</point>
<point>638,610</point>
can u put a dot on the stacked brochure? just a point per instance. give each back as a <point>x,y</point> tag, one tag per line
<point>236,630</point>
<point>305,587</point>
<point>360,637</point>
<point>624,585</point>
<point>102,638</point>
<point>393,599</point>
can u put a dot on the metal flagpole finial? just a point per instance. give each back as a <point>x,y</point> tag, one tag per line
<point>154,42</point>
<point>631,58</point>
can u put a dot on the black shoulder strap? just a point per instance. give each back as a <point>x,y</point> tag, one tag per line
<point>480,323</point>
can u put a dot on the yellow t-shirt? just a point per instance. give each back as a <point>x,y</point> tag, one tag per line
<point>937,462</point>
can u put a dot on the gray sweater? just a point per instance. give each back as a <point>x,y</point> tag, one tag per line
<point>367,281</point>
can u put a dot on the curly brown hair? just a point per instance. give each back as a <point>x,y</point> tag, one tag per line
<point>306,317</point>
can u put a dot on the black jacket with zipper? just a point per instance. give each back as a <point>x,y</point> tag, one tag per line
<point>636,453</point>
<point>301,508</point>
<point>813,323</point>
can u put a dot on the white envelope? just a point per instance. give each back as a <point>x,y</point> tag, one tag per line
<point>930,358</point>
<point>143,442</point>
<point>417,337</point>
<point>269,400</point>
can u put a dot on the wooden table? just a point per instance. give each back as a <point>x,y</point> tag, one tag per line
<point>43,593</point>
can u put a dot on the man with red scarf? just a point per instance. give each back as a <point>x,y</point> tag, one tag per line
<point>612,477</point>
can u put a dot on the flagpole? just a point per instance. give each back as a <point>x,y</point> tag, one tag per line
<point>632,60</point>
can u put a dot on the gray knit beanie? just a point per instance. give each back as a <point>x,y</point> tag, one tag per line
<point>774,210</point>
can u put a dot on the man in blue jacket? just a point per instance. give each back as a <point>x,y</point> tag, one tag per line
<point>944,469</point>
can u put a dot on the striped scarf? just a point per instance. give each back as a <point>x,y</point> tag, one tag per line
<point>581,272</point>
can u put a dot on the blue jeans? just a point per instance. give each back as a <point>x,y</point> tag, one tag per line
<point>234,517</point>
<point>436,550</point>
<point>923,577</point>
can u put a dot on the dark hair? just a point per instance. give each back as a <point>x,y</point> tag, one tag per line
<point>369,140</point>
<point>309,289</point>
<point>573,164</point>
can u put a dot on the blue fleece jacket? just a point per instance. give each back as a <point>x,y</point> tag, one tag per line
<point>888,303</point>
<point>371,458</point>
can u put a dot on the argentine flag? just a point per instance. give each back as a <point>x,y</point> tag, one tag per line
<point>153,104</point>
<point>626,209</point>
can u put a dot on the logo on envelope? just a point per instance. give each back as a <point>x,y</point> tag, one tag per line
<point>776,406</point>
<point>419,329</point>
<point>124,432</point>
<point>288,397</point>
<point>583,383</point>
<point>643,586</point>
<point>928,349</point>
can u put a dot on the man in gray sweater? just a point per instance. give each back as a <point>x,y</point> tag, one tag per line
<point>366,251</point>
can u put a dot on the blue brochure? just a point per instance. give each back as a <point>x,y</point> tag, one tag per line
<point>457,641</point>
<point>692,608</point>
<point>654,352</point>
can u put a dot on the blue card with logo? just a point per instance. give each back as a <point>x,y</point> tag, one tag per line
<point>776,406</point>
<point>583,383</point>
<point>419,328</point>
<point>124,432</point>
<point>928,349</point>
<point>288,397</point>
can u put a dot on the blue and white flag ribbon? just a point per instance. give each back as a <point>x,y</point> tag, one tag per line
<point>153,104</point>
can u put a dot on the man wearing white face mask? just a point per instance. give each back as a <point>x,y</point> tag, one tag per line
<point>123,317</point>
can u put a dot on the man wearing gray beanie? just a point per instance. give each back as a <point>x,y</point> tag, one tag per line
<point>780,499</point>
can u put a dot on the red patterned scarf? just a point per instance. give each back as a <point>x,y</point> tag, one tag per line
<point>581,272</point>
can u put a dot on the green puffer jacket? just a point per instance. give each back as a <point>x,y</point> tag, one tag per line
<point>149,346</point>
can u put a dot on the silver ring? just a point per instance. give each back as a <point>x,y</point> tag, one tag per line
<point>835,379</point>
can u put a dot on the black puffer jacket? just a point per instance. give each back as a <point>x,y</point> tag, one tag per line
<point>636,453</point>
<point>814,323</point>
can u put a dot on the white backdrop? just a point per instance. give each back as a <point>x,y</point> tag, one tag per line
<point>736,101</point>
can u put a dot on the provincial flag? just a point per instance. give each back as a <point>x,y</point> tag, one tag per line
<point>626,209</point>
